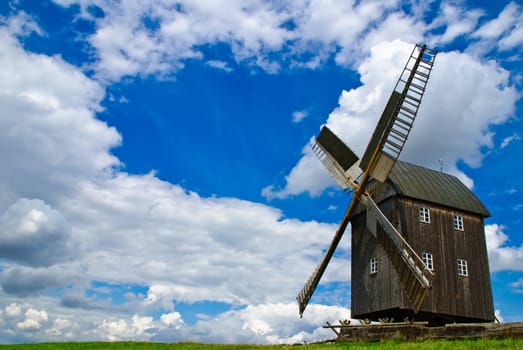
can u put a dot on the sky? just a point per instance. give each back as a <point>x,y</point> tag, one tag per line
<point>157,180</point>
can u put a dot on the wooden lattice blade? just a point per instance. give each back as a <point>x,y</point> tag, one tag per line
<point>338,159</point>
<point>308,289</point>
<point>412,272</point>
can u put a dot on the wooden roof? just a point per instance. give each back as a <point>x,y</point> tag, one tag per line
<point>436,187</point>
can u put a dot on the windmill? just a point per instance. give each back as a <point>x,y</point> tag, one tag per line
<point>380,156</point>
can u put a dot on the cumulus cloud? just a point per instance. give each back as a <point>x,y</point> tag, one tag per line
<point>33,320</point>
<point>35,234</point>
<point>506,28</point>
<point>172,319</point>
<point>499,25</point>
<point>132,228</point>
<point>465,98</point>
<point>179,243</point>
<point>298,116</point>
<point>509,139</point>
<point>274,323</point>
<point>306,176</point>
<point>456,21</point>
<point>155,37</point>
<point>47,128</point>
<point>26,281</point>
<point>502,255</point>
<point>138,38</point>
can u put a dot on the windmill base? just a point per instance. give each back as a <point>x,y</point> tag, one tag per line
<point>431,318</point>
<point>418,331</point>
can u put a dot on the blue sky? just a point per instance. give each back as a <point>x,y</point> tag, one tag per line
<point>157,179</point>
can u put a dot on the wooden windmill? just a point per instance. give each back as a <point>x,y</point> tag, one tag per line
<point>382,152</point>
<point>407,196</point>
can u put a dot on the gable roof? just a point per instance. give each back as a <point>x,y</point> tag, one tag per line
<point>436,187</point>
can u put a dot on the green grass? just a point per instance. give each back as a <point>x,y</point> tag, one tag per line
<point>427,345</point>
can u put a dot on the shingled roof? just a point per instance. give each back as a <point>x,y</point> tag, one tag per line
<point>436,187</point>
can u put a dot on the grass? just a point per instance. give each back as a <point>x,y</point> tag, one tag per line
<point>426,345</point>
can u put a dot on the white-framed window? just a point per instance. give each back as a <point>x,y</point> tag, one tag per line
<point>462,268</point>
<point>424,215</point>
<point>373,266</point>
<point>458,222</point>
<point>427,260</point>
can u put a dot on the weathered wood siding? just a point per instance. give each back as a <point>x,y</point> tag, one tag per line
<point>453,297</point>
<point>467,297</point>
<point>372,292</point>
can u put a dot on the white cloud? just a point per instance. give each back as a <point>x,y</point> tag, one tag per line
<point>13,310</point>
<point>262,34</point>
<point>172,319</point>
<point>500,318</point>
<point>506,29</point>
<point>153,226</point>
<point>509,139</point>
<point>307,176</point>
<point>33,233</point>
<point>298,116</point>
<point>61,328</point>
<point>457,22</point>
<point>126,229</point>
<point>274,323</point>
<point>21,24</point>
<point>219,65</point>
<point>501,255</point>
<point>33,320</point>
<point>48,126</point>
<point>504,22</point>
<point>127,45</point>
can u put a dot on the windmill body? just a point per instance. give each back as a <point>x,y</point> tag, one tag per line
<point>394,257</point>
<point>443,222</point>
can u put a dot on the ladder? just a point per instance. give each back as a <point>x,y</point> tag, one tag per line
<point>411,85</point>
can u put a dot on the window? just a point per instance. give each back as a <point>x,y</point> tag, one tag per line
<point>373,266</point>
<point>458,222</point>
<point>424,215</point>
<point>462,268</point>
<point>427,260</point>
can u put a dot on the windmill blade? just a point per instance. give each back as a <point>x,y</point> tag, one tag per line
<point>310,286</point>
<point>395,123</point>
<point>339,159</point>
<point>412,272</point>
<point>382,152</point>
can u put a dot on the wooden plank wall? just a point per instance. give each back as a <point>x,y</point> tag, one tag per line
<point>451,294</point>
<point>462,298</point>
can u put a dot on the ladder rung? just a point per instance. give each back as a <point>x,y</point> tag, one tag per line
<point>399,133</point>
<point>410,115</point>
<point>394,144</point>
<point>401,126</point>
<point>397,137</point>
<point>419,87</point>
<point>413,98</point>
<point>408,110</point>
<point>412,103</point>
<point>406,122</point>
<point>425,75</point>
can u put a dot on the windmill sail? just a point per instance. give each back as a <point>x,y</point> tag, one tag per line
<point>381,154</point>
<point>339,159</point>
<point>412,272</point>
<point>397,119</point>
<point>310,286</point>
